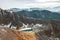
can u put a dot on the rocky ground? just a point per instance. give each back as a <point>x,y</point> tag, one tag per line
<point>9,34</point>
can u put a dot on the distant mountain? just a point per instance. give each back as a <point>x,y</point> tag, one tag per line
<point>43,14</point>
<point>37,13</point>
<point>55,9</point>
<point>26,9</point>
<point>36,9</point>
<point>15,9</point>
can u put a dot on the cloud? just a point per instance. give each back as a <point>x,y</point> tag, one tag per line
<point>46,0</point>
<point>29,3</point>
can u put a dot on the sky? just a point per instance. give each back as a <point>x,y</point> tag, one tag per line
<point>6,4</point>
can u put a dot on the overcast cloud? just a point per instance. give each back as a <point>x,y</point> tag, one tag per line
<point>28,3</point>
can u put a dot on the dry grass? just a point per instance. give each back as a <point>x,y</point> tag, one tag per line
<point>9,34</point>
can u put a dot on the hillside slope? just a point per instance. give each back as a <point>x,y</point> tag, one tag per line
<point>9,34</point>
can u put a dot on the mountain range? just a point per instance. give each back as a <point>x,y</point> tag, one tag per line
<point>15,9</point>
<point>54,9</point>
<point>18,18</point>
<point>40,14</point>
